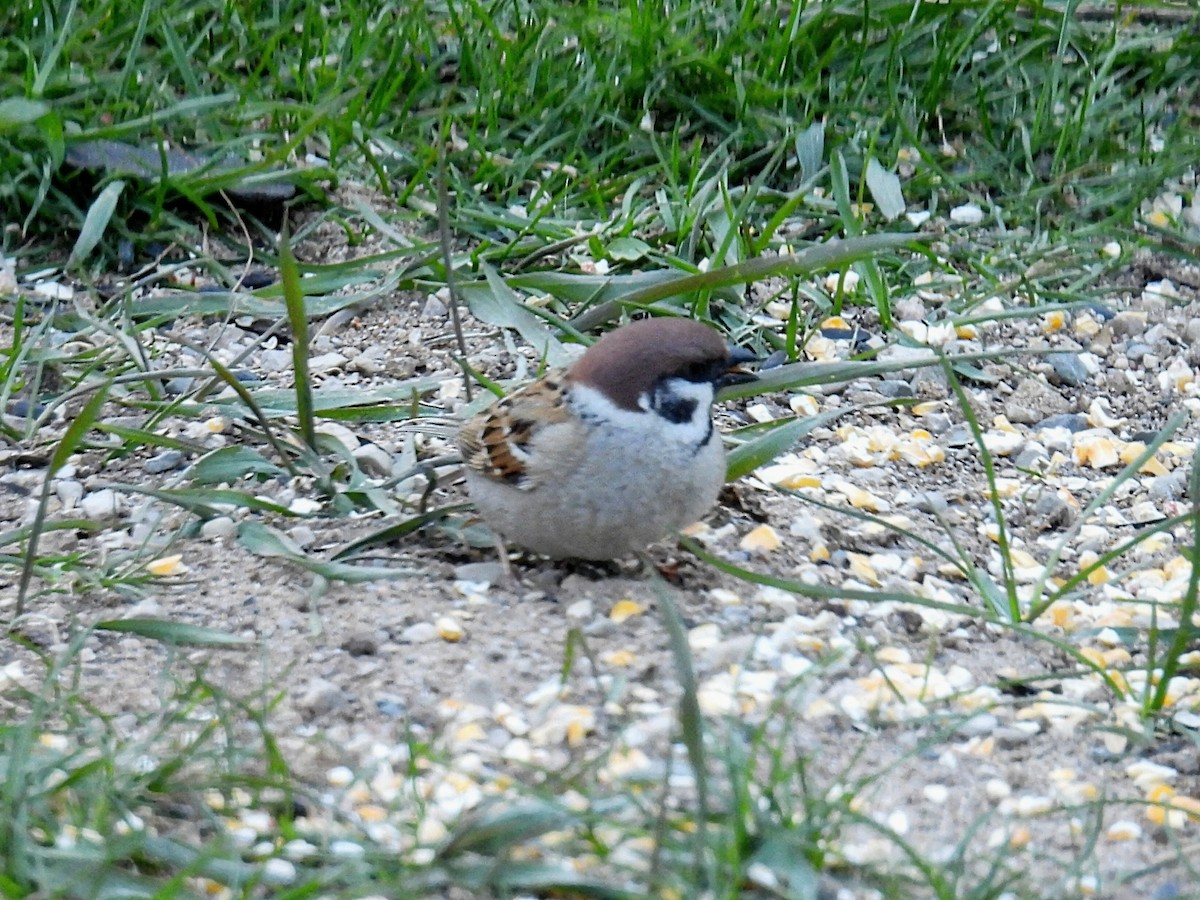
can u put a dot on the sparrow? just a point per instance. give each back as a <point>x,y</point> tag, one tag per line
<point>599,460</point>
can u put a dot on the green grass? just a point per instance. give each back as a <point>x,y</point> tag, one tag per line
<point>683,145</point>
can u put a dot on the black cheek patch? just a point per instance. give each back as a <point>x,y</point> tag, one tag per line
<point>674,409</point>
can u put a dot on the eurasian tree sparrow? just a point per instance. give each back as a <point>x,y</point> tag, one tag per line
<point>598,460</point>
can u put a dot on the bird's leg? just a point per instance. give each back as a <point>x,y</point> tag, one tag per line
<point>507,578</point>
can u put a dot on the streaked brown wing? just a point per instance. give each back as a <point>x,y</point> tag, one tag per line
<point>497,441</point>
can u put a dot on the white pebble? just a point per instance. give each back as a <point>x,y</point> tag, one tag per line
<point>101,505</point>
<point>278,871</point>
<point>420,633</point>
<point>218,529</point>
<point>936,793</point>
<point>997,789</point>
<point>69,492</point>
<point>346,849</point>
<point>967,214</point>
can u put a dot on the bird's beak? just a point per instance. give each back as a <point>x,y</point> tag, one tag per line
<point>736,374</point>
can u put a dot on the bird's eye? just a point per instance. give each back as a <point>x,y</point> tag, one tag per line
<point>697,371</point>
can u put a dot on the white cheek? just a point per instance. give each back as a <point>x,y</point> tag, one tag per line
<point>593,404</point>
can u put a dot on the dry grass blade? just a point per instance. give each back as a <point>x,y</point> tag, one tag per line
<point>71,440</point>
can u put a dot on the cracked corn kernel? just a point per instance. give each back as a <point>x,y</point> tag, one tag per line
<point>804,405</point>
<point>449,630</point>
<point>1086,326</point>
<point>1053,321</point>
<point>1034,805</point>
<point>620,659</point>
<point>1061,614</point>
<point>861,499</point>
<point>167,565</point>
<point>472,732</point>
<point>1097,451</point>
<point>763,539</point>
<point>371,812</point>
<point>1123,830</point>
<point>624,610</point>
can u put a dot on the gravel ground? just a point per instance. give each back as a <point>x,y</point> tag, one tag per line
<point>942,722</point>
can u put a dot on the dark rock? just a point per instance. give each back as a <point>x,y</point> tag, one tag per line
<point>1073,422</point>
<point>1068,368</point>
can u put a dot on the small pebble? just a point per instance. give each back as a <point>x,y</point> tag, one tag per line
<point>322,696</point>
<point>1128,323</point>
<point>932,502</point>
<point>219,528</point>
<point>480,573</point>
<point>419,633</point>
<point>326,362</point>
<point>1068,368</point>
<point>69,492</point>
<point>434,308</point>
<point>275,360</point>
<point>1168,487</point>
<point>166,461</point>
<point>101,505</point>
<point>373,460</point>
<point>894,387</point>
<point>967,214</point>
<point>1072,422</point>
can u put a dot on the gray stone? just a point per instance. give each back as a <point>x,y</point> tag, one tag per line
<point>1168,487</point>
<point>373,460</point>
<point>1031,400</point>
<point>894,387</point>
<point>1073,422</point>
<point>1030,457</point>
<point>601,626</point>
<point>487,572</point>
<point>959,436</point>
<point>1068,368</point>
<point>219,528</point>
<point>420,633</point>
<point>275,360</point>
<point>1137,351</point>
<point>369,362</point>
<point>101,505</point>
<point>302,535</point>
<point>322,696</point>
<point>932,502</point>
<point>726,653</point>
<point>166,461</point>
<point>1128,323</point>
<point>391,706</point>
<point>1053,510</point>
<point>69,492</point>
<point>930,383</point>
<point>938,423</point>
<point>434,309</point>
<point>978,725</point>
